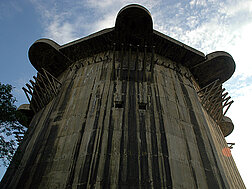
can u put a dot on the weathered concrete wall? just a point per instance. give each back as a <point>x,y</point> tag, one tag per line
<point>117,128</point>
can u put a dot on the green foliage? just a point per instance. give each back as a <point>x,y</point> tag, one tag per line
<point>11,131</point>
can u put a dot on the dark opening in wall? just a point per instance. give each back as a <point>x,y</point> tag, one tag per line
<point>142,106</point>
<point>119,104</point>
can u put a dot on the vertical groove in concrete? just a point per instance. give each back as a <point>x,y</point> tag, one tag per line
<point>165,153</point>
<point>211,180</point>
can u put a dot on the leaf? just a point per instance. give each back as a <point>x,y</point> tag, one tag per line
<point>11,131</point>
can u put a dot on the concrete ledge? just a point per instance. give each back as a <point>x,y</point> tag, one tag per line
<point>226,126</point>
<point>44,53</point>
<point>218,65</point>
<point>27,114</point>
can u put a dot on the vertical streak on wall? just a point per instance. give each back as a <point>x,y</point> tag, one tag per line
<point>211,180</point>
<point>165,153</point>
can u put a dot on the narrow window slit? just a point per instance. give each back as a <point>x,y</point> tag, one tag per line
<point>119,104</point>
<point>142,106</point>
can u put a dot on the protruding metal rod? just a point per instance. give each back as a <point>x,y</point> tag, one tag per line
<point>30,89</point>
<point>41,104</point>
<point>122,59</point>
<point>52,85</point>
<point>152,61</point>
<point>136,63</point>
<point>113,66</point>
<point>229,104</point>
<point>206,87</point>
<point>129,60</point>
<point>40,80</point>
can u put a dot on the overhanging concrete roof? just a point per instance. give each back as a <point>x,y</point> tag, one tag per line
<point>133,25</point>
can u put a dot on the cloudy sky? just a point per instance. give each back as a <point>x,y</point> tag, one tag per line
<point>207,25</point>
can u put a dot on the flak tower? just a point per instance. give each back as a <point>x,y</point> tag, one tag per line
<point>126,107</point>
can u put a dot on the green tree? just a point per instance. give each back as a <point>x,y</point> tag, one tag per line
<point>11,131</point>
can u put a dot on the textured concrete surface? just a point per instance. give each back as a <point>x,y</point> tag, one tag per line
<point>157,135</point>
<point>125,116</point>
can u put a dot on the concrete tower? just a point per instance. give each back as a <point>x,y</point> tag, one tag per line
<point>126,107</point>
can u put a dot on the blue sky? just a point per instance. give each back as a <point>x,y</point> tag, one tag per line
<point>207,25</point>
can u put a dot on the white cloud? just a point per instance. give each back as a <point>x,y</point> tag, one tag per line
<point>233,8</point>
<point>108,9</point>
<point>220,26</point>
<point>61,23</point>
<point>241,51</point>
<point>198,3</point>
<point>60,32</point>
<point>106,22</point>
<point>66,21</point>
<point>102,4</point>
<point>111,4</point>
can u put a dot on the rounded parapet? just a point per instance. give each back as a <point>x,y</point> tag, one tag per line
<point>133,24</point>
<point>26,114</point>
<point>218,65</point>
<point>226,126</point>
<point>44,53</point>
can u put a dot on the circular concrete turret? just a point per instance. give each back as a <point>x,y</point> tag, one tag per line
<point>218,65</point>
<point>27,114</point>
<point>44,53</point>
<point>226,126</point>
<point>134,22</point>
